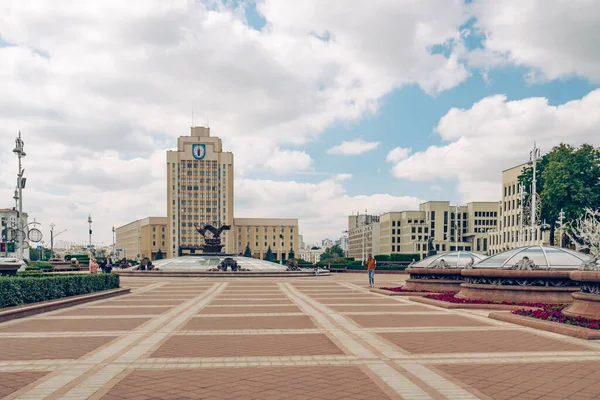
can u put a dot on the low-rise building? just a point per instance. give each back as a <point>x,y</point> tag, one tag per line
<point>311,256</point>
<point>260,234</point>
<point>363,235</point>
<point>145,237</point>
<point>447,227</point>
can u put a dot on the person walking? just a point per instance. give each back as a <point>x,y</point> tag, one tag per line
<point>93,265</point>
<point>371,265</point>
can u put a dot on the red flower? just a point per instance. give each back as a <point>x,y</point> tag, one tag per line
<point>552,312</point>
<point>401,289</point>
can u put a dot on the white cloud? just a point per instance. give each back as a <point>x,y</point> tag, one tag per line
<point>342,177</point>
<point>398,154</point>
<point>436,188</point>
<point>285,161</point>
<point>322,207</point>
<point>101,90</point>
<point>353,147</point>
<point>556,38</point>
<point>496,134</point>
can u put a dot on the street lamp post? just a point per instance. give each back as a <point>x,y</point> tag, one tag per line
<point>561,218</point>
<point>522,195</point>
<point>345,235</point>
<point>534,158</point>
<point>90,230</point>
<point>20,152</point>
<point>52,236</point>
<point>114,247</point>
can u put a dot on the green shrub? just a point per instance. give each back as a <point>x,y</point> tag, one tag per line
<point>382,257</point>
<point>28,288</point>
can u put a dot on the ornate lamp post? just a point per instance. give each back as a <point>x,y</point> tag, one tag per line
<point>522,195</point>
<point>561,218</point>
<point>52,236</point>
<point>534,158</point>
<point>20,152</point>
<point>114,250</point>
<point>364,231</point>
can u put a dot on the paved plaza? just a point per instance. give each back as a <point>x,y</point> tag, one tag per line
<point>291,338</point>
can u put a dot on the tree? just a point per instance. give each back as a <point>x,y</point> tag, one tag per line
<point>159,255</point>
<point>315,248</point>
<point>247,251</point>
<point>567,179</point>
<point>334,251</point>
<point>269,255</point>
<point>291,254</point>
<point>585,232</point>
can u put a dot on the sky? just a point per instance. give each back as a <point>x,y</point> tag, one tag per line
<point>329,107</point>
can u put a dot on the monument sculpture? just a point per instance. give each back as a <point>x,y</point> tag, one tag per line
<point>441,264</point>
<point>292,265</point>
<point>212,244</point>
<point>470,264</point>
<point>431,251</point>
<point>590,265</point>
<point>524,264</point>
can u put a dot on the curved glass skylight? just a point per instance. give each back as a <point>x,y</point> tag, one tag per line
<point>543,257</point>
<point>456,259</point>
<point>204,263</point>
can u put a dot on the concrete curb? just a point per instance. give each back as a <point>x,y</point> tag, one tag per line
<point>7,314</point>
<point>445,304</point>
<point>555,327</point>
<point>405,294</point>
<point>221,274</point>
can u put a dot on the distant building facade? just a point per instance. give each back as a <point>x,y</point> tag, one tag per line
<point>8,225</point>
<point>260,234</point>
<point>199,190</point>
<point>311,256</point>
<point>363,235</point>
<point>409,232</point>
<point>143,238</point>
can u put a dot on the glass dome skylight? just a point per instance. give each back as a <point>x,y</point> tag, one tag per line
<point>542,256</point>
<point>456,259</point>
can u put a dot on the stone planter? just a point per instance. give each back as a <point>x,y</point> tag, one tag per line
<point>434,279</point>
<point>533,286</point>
<point>586,302</point>
<point>9,268</point>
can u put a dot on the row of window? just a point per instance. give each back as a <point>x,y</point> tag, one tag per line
<point>265,229</point>
<point>486,214</point>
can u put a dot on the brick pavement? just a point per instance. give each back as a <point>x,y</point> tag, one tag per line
<point>300,338</point>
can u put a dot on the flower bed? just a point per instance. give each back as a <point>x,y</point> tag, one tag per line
<point>553,312</point>
<point>402,290</point>
<point>450,297</point>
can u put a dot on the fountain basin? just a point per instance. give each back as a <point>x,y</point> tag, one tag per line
<point>586,302</point>
<point>534,286</point>
<point>434,279</point>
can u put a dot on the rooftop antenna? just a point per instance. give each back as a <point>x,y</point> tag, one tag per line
<point>193,119</point>
<point>206,124</point>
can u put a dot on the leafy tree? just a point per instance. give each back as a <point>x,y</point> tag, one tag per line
<point>291,254</point>
<point>315,248</point>
<point>568,179</point>
<point>269,255</point>
<point>159,255</point>
<point>247,251</point>
<point>334,251</point>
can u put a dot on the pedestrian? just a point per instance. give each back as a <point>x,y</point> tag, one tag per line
<point>371,265</point>
<point>109,263</point>
<point>93,265</point>
<point>103,266</point>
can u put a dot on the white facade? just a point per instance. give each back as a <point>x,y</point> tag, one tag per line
<point>311,256</point>
<point>8,220</point>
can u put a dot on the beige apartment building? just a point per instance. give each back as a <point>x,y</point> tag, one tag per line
<point>199,191</point>
<point>507,235</point>
<point>408,232</point>
<point>363,236</point>
<point>280,234</point>
<point>143,238</point>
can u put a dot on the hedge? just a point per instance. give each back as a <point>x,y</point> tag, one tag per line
<point>24,289</point>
